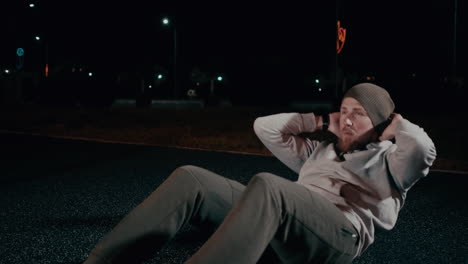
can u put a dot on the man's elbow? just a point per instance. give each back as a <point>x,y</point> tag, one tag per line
<point>425,151</point>
<point>258,126</point>
<point>431,154</point>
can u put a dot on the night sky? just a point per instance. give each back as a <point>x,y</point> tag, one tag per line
<point>265,47</point>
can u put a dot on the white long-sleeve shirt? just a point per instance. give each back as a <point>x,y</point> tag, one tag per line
<point>370,186</point>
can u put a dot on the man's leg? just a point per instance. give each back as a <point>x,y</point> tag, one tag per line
<point>190,194</point>
<point>300,225</point>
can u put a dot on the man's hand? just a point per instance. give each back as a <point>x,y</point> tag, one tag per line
<point>389,131</point>
<point>334,125</point>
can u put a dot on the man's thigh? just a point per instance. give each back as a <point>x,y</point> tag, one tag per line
<point>312,227</point>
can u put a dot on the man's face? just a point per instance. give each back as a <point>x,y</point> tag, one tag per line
<point>356,127</point>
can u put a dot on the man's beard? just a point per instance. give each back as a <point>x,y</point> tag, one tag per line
<point>349,145</point>
<point>359,143</point>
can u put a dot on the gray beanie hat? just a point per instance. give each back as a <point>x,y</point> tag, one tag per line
<point>374,99</point>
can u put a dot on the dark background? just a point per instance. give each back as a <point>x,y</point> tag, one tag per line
<point>267,53</point>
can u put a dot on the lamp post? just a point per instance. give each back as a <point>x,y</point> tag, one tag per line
<point>166,22</point>
<point>454,43</point>
<point>46,48</point>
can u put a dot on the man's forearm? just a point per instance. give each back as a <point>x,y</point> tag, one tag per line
<point>280,134</point>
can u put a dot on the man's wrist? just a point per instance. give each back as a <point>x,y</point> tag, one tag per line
<point>318,122</point>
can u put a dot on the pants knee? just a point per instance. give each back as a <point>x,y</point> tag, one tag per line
<point>262,189</point>
<point>184,175</point>
<point>193,175</point>
<point>262,180</point>
<point>184,171</point>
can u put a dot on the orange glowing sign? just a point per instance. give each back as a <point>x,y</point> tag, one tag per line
<point>341,38</point>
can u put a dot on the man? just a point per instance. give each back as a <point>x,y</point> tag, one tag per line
<point>344,190</point>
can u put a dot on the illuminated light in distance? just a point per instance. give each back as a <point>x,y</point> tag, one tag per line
<point>165,21</point>
<point>31,5</point>
<point>160,76</point>
<point>317,80</point>
<point>90,74</point>
<point>320,89</point>
<point>220,78</point>
<point>38,38</point>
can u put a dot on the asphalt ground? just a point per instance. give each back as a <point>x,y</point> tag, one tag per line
<point>58,197</point>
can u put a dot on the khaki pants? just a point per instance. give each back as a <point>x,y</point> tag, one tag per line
<point>298,224</point>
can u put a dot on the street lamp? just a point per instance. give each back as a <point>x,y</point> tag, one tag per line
<point>166,22</point>
<point>454,48</point>
<point>219,78</point>
<point>46,69</point>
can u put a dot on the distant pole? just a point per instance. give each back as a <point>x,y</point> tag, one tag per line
<point>175,63</point>
<point>166,22</point>
<point>46,70</point>
<point>454,53</point>
<point>211,86</point>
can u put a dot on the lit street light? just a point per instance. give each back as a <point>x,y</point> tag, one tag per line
<point>219,78</point>
<point>46,44</point>
<point>31,5</point>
